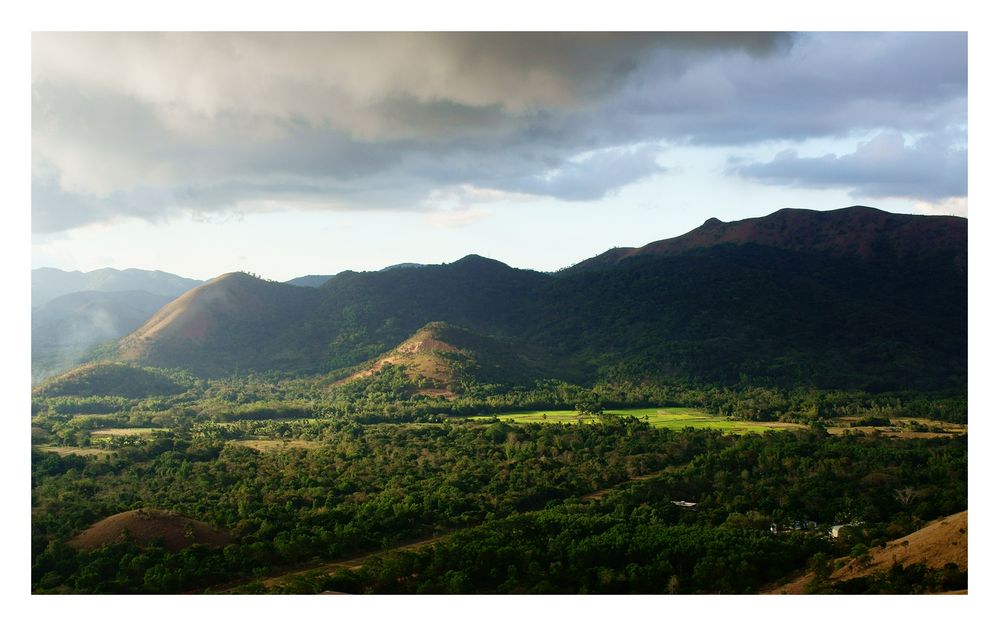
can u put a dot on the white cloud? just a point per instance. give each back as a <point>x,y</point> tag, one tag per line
<point>593,175</point>
<point>931,169</point>
<point>945,206</point>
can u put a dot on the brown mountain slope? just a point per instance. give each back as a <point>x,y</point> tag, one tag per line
<point>854,231</point>
<point>936,544</point>
<point>235,311</point>
<point>191,315</point>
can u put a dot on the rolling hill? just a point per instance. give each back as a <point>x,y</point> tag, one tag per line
<point>234,321</point>
<point>439,358</point>
<point>143,526</point>
<point>111,379</point>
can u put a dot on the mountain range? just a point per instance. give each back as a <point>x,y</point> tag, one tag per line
<point>72,312</point>
<point>852,298</point>
<point>49,283</point>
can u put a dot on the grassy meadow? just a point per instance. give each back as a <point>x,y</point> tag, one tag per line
<point>275,445</point>
<point>659,417</point>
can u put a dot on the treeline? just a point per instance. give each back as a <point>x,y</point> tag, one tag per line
<point>803,405</point>
<point>259,398</point>
<point>162,397</point>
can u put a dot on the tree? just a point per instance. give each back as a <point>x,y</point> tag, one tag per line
<point>589,405</point>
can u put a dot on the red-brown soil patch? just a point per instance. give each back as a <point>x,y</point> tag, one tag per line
<point>142,526</point>
<point>421,356</point>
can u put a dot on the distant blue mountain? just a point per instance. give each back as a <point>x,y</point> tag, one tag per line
<point>311,280</point>
<point>64,330</point>
<point>48,283</point>
<point>400,266</point>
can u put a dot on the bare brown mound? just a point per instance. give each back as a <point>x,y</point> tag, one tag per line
<point>936,544</point>
<point>421,354</point>
<point>142,526</point>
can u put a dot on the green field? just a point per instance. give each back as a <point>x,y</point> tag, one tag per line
<point>665,417</point>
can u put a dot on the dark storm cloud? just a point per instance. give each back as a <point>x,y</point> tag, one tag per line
<point>929,169</point>
<point>147,124</point>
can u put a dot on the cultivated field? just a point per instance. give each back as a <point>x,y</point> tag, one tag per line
<point>663,417</point>
<point>275,445</point>
<point>124,432</point>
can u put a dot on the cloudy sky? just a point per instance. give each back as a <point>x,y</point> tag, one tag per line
<point>297,153</point>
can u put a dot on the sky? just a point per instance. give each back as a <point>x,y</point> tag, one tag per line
<point>298,153</point>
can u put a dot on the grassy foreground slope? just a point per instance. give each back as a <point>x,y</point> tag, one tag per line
<point>940,547</point>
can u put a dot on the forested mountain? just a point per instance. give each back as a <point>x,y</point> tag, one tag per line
<point>48,283</point>
<point>855,298</point>
<point>857,232</point>
<point>233,322</point>
<point>310,280</point>
<point>317,280</point>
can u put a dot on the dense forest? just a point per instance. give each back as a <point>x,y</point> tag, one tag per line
<point>517,490</point>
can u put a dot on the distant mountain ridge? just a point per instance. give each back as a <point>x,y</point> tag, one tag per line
<point>66,329</point>
<point>90,317</point>
<point>858,231</point>
<point>860,299</point>
<point>309,280</point>
<point>48,283</point>
<point>73,312</point>
<point>318,280</point>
